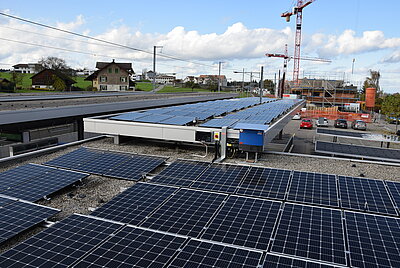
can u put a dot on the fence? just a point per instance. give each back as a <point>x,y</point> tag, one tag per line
<point>333,113</point>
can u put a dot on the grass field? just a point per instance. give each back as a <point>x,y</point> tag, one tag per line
<point>168,89</point>
<point>144,86</point>
<point>26,79</point>
<point>27,82</point>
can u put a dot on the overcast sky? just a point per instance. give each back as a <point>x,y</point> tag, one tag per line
<point>238,33</point>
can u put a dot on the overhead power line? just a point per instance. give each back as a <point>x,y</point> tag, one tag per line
<point>101,40</point>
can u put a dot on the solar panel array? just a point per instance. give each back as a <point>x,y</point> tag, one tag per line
<point>17,216</point>
<point>358,151</point>
<point>261,114</point>
<point>343,133</point>
<point>112,164</point>
<point>33,182</point>
<point>231,221</point>
<point>189,113</point>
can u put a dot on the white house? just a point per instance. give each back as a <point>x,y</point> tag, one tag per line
<point>165,79</point>
<point>26,68</point>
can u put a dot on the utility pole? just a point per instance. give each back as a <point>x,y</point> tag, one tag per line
<point>219,76</point>
<point>261,83</point>
<point>243,72</point>
<point>154,65</point>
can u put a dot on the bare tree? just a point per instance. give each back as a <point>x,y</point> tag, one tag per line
<point>54,63</point>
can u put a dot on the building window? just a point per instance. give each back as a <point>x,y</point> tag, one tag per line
<point>103,87</point>
<point>123,79</point>
<point>103,78</point>
<point>109,70</point>
<point>122,87</point>
<point>116,70</point>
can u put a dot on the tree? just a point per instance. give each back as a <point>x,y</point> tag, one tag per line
<point>372,81</point>
<point>16,78</point>
<point>270,85</point>
<point>58,83</point>
<point>54,63</point>
<point>391,107</point>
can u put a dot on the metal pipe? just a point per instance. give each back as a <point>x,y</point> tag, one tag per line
<point>55,148</point>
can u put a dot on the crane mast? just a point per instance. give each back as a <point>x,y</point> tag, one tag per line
<point>298,11</point>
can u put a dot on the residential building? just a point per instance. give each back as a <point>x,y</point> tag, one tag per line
<point>45,79</point>
<point>207,79</point>
<point>165,79</point>
<point>29,68</point>
<point>112,76</point>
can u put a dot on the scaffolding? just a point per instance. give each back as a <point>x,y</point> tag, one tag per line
<point>324,92</point>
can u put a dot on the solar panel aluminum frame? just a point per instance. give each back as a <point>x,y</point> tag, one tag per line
<point>315,262</point>
<point>364,136</point>
<point>270,240</point>
<point>193,190</point>
<point>172,177</point>
<point>272,198</point>
<point>220,244</point>
<point>392,201</point>
<point>345,246</point>
<point>319,205</point>
<point>356,156</point>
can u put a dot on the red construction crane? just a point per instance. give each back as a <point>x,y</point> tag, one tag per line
<point>286,59</point>
<point>297,10</point>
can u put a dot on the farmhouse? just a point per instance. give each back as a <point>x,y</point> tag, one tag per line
<point>47,79</point>
<point>112,76</point>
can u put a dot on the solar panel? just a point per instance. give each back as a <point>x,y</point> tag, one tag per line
<point>343,133</point>
<point>44,185</point>
<point>186,212</point>
<point>205,254</point>
<point>219,122</point>
<point>113,164</point>
<point>365,195</point>
<point>221,178</point>
<point>134,204</point>
<point>311,232</point>
<point>18,216</point>
<point>314,188</point>
<point>358,151</point>
<point>153,118</point>
<point>21,174</point>
<point>60,245</point>
<point>74,159</point>
<point>181,173</point>
<point>373,240</point>
<point>394,189</point>
<point>265,182</point>
<point>243,221</point>
<point>178,120</point>
<point>279,261</point>
<point>135,167</point>
<point>5,200</point>
<point>103,162</point>
<point>134,247</point>
<point>128,116</point>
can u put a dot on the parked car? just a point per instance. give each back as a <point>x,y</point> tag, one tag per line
<point>297,116</point>
<point>340,123</point>
<point>392,120</point>
<point>359,124</point>
<point>398,132</point>
<point>306,123</point>
<point>322,122</point>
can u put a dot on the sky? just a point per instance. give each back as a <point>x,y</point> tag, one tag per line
<point>203,33</point>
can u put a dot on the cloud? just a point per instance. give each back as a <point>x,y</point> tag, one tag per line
<point>348,43</point>
<point>392,58</point>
